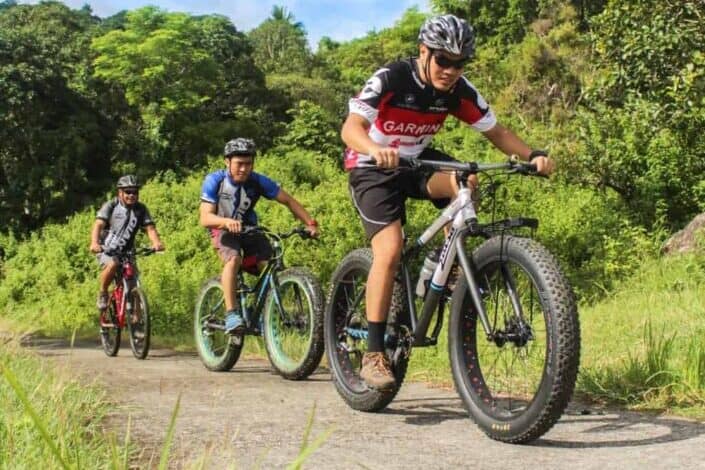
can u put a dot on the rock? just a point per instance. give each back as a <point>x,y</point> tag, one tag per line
<point>687,239</point>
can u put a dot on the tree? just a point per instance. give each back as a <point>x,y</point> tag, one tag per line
<point>191,79</point>
<point>54,141</point>
<point>280,46</point>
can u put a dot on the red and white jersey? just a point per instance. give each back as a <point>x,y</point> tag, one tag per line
<point>405,113</point>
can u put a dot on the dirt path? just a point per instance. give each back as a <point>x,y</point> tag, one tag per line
<point>251,418</point>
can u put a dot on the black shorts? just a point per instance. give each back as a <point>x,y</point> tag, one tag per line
<point>379,195</point>
<point>230,244</point>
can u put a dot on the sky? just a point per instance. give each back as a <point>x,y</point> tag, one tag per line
<point>340,20</point>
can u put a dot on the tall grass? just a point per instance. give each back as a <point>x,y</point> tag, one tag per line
<point>48,420</point>
<point>645,347</point>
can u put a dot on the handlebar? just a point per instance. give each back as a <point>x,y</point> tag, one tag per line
<point>512,166</point>
<point>300,231</point>
<point>140,251</point>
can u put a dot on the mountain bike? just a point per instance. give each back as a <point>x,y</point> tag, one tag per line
<point>513,332</point>
<point>285,305</point>
<point>127,306</point>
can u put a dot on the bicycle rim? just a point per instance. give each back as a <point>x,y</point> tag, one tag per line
<point>216,349</point>
<point>289,325</point>
<point>507,372</point>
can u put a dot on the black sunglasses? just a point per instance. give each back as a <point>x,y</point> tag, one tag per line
<point>131,192</point>
<point>446,63</point>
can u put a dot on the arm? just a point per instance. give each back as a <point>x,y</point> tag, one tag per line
<point>298,210</point>
<point>354,134</point>
<point>153,235</point>
<point>209,218</point>
<point>95,235</point>
<point>509,143</point>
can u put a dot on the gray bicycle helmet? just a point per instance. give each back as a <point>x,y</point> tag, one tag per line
<point>239,146</point>
<point>448,33</point>
<point>128,181</point>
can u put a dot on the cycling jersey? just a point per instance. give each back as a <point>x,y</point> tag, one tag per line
<point>405,113</point>
<point>237,200</point>
<point>122,224</point>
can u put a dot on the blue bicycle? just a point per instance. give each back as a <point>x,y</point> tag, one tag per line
<point>284,305</point>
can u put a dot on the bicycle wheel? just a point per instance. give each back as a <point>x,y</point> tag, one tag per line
<point>293,327</point>
<point>218,351</point>
<point>138,324</point>
<point>517,384</point>
<point>110,335</point>
<point>345,326</point>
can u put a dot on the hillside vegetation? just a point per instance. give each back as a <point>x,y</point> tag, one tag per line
<point>614,91</point>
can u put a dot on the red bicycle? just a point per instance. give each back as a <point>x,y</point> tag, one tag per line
<point>127,307</point>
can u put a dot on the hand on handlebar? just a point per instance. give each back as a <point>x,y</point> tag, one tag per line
<point>386,157</point>
<point>544,165</point>
<point>233,226</point>
<point>312,231</point>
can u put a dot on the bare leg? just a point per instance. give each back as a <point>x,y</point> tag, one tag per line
<point>228,280</point>
<point>386,251</point>
<point>107,275</point>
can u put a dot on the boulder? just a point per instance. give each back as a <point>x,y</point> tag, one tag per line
<point>687,239</point>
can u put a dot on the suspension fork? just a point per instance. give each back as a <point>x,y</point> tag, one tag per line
<point>470,277</point>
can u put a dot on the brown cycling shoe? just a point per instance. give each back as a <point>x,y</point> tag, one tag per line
<point>377,371</point>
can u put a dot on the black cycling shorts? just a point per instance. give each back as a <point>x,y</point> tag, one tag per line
<point>379,195</point>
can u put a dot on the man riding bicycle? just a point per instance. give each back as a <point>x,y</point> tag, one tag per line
<point>402,106</point>
<point>228,200</point>
<point>115,229</point>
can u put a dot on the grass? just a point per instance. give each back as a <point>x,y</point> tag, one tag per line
<point>645,346</point>
<point>47,419</point>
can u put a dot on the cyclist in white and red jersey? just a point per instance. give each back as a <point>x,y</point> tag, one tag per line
<point>402,106</point>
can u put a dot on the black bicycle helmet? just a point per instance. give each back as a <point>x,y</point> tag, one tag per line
<point>128,181</point>
<point>239,146</point>
<point>448,33</point>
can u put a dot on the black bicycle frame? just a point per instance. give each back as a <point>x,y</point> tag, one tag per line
<point>267,280</point>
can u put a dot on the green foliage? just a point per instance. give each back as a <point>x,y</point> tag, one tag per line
<point>52,136</point>
<point>356,60</point>
<point>280,45</point>
<point>653,49</point>
<point>647,163</point>
<point>313,129</point>
<point>40,273</point>
<point>191,78</point>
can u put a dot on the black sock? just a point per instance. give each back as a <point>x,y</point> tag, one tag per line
<point>375,336</point>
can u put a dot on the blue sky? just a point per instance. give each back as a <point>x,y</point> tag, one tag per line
<point>339,19</point>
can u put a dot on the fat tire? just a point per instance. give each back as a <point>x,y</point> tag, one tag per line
<point>348,383</point>
<point>225,361</point>
<point>560,313</point>
<point>314,299</point>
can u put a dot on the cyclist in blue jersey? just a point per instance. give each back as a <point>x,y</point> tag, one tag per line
<point>114,231</point>
<point>399,110</point>
<point>228,199</point>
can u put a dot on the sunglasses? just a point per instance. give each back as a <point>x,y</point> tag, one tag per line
<point>131,192</point>
<point>446,63</point>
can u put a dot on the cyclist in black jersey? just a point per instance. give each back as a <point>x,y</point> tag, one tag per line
<point>400,109</point>
<point>114,231</point>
